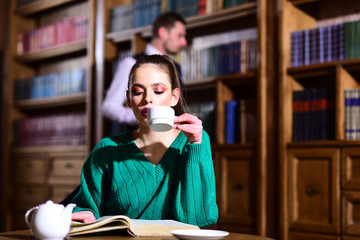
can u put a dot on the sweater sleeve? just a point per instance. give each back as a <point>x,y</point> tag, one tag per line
<point>195,200</point>
<point>93,183</point>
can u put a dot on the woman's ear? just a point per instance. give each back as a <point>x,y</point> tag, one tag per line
<point>128,98</point>
<point>175,97</point>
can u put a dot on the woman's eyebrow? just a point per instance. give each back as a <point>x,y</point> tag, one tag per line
<point>152,85</point>
<point>157,84</point>
<point>137,85</point>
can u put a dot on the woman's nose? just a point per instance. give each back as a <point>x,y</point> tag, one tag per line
<point>148,98</point>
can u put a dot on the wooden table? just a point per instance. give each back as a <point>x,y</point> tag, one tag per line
<point>26,235</point>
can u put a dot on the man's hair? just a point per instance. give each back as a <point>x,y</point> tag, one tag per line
<point>166,20</point>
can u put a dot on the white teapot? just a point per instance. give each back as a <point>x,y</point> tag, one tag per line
<point>49,220</point>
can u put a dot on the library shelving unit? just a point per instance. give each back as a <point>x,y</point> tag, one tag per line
<point>319,163</point>
<point>48,120</point>
<point>242,168</point>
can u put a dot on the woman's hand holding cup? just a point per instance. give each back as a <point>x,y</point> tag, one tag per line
<point>190,125</point>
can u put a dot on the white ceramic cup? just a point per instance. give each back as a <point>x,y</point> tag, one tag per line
<point>160,118</point>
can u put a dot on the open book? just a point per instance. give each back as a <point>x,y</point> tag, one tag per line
<point>135,227</point>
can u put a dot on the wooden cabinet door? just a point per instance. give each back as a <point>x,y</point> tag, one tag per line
<point>314,190</point>
<point>65,168</point>
<point>351,194</point>
<point>29,168</point>
<point>64,174</point>
<point>350,168</point>
<point>238,188</point>
<point>351,213</point>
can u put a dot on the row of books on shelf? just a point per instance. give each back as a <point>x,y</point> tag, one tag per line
<point>22,3</point>
<point>135,14</point>
<point>233,3</point>
<point>313,114</point>
<point>232,58</point>
<point>317,45</point>
<point>233,52</point>
<point>143,12</point>
<point>52,85</point>
<point>205,111</point>
<point>240,121</point>
<point>352,114</point>
<point>63,31</point>
<point>326,43</point>
<point>50,130</point>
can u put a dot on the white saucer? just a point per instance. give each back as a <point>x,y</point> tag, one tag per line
<point>199,234</point>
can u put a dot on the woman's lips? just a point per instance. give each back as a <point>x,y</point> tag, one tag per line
<point>144,112</point>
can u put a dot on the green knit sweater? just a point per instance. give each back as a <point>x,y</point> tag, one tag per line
<point>118,179</point>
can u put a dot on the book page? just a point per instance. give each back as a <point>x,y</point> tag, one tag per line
<point>157,227</point>
<point>167,222</point>
<point>135,227</point>
<point>105,223</point>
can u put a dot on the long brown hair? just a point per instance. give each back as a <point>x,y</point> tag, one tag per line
<point>165,63</point>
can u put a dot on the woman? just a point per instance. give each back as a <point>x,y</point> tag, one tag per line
<point>151,175</point>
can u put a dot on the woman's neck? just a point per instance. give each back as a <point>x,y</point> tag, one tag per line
<point>149,137</point>
<point>154,144</point>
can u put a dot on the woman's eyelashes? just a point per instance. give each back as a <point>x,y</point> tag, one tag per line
<point>136,91</point>
<point>159,89</point>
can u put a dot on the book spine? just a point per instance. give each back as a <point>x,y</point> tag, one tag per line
<point>347,94</point>
<point>231,110</point>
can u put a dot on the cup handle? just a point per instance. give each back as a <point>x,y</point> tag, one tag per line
<point>27,215</point>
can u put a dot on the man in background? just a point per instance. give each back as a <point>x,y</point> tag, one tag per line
<point>169,37</point>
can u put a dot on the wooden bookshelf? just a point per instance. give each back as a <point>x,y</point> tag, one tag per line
<point>39,6</point>
<point>53,52</point>
<point>51,102</point>
<point>36,173</point>
<point>255,213</point>
<point>328,212</point>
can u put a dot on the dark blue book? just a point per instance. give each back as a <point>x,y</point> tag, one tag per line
<point>323,113</point>
<point>327,44</point>
<point>306,114</point>
<point>226,59</point>
<point>307,47</point>
<point>313,46</point>
<point>340,41</point>
<point>331,113</point>
<point>231,121</point>
<point>296,115</point>
<point>334,42</point>
<point>301,56</point>
<point>237,56</point>
<point>322,39</point>
<point>313,113</point>
<point>293,50</point>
